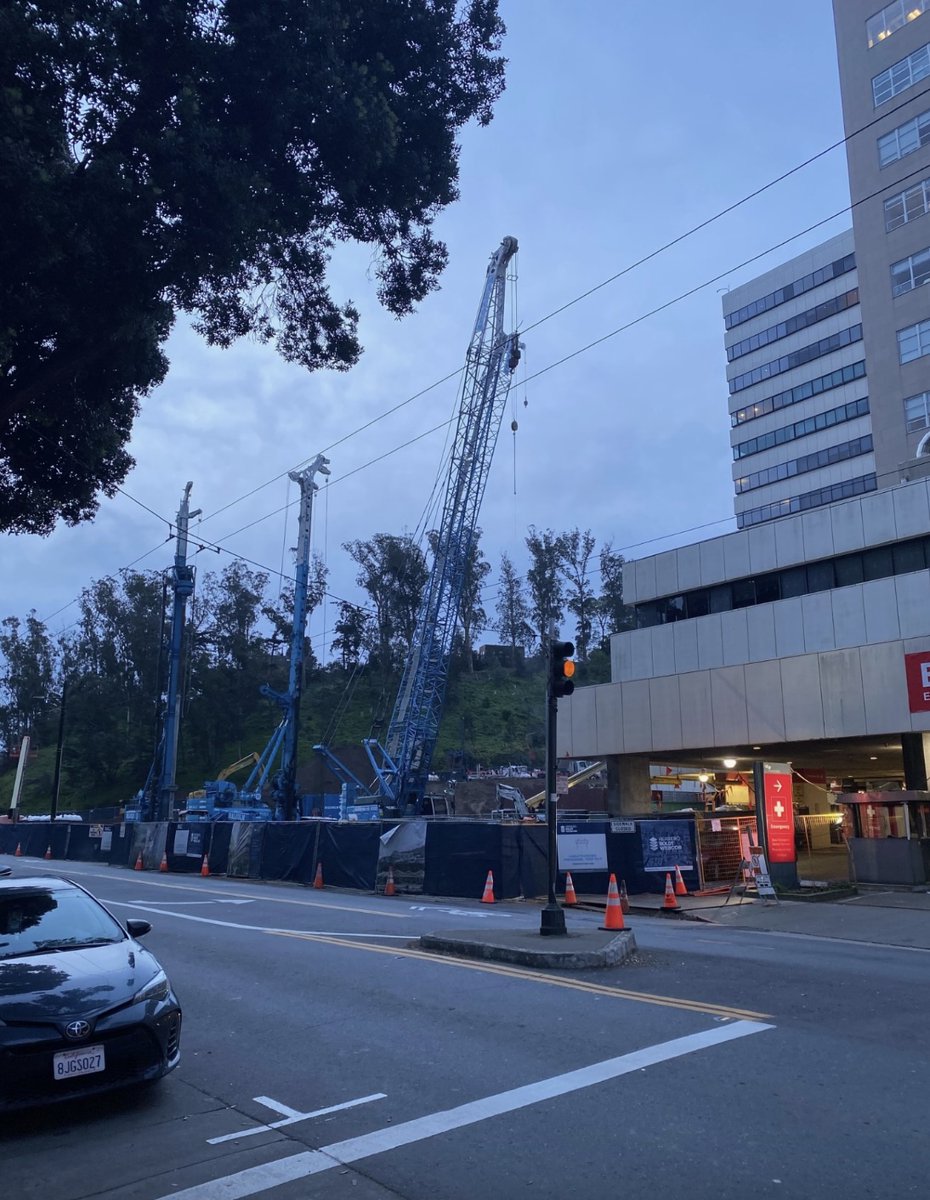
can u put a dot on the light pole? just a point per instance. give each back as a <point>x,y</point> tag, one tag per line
<point>559,683</point>
<point>56,781</point>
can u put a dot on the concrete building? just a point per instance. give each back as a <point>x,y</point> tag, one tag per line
<point>884,65</point>
<point>804,637</point>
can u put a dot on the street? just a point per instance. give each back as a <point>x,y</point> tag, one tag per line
<point>320,1040</point>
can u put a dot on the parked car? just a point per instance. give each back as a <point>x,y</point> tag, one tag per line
<point>83,1007</point>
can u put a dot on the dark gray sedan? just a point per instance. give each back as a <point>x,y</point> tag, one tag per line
<point>83,1007</point>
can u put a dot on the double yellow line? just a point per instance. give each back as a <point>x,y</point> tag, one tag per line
<point>578,985</point>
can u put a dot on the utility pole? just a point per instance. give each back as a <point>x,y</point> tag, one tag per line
<point>56,782</point>
<point>183,584</point>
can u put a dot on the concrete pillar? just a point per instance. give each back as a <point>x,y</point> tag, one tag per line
<point>915,750</point>
<point>628,786</point>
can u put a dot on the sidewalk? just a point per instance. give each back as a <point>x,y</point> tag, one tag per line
<point>892,918</point>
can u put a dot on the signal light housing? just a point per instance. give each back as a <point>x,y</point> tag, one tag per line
<point>561,668</point>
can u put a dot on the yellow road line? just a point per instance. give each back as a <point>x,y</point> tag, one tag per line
<point>579,985</point>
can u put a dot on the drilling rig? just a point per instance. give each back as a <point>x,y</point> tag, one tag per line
<point>402,764</point>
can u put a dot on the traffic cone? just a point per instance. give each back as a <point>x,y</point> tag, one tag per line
<point>19,850</point>
<point>48,852</point>
<point>389,888</point>
<point>488,897</point>
<point>205,867</point>
<point>138,866</point>
<point>624,898</point>
<point>680,889</point>
<point>613,917</point>
<point>570,897</point>
<point>163,865</point>
<point>669,904</point>
<point>318,878</point>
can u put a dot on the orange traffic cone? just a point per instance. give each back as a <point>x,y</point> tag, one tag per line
<point>570,897</point>
<point>389,888</point>
<point>669,904</point>
<point>138,866</point>
<point>163,865</point>
<point>680,889</point>
<point>205,867</point>
<point>19,850</point>
<point>318,878</point>
<point>48,852</point>
<point>613,917</point>
<point>488,897</point>
<point>624,898</point>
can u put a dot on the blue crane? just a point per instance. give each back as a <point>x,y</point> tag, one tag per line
<point>402,764</point>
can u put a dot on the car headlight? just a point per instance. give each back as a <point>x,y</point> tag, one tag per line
<point>157,988</point>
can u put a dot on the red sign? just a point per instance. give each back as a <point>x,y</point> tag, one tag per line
<point>779,813</point>
<point>917,669</point>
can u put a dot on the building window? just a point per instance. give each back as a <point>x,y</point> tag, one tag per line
<point>799,429</point>
<point>907,205</point>
<point>797,358</point>
<point>911,272</point>
<point>843,490</point>
<point>893,17</point>
<point>803,320</point>
<point>901,75</point>
<point>917,412</point>
<point>797,287</point>
<point>904,140</point>
<point>803,391</point>
<point>808,462</point>
<point>914,341</point>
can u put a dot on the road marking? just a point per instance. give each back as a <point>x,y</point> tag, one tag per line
<point>318,934</point>
<point>182,903</point>
<point>312,1162</point>
<point>459,912</point>
<point>291,1116</point>
<point>580,985</point>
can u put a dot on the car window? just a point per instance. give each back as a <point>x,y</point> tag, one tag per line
<point>36,921</point>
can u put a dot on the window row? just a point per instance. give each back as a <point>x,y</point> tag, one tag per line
<point>784,329</point>
<point>844,490</point>
<point>879,562</point>
<point>893,17</point>
<point>911,272</point>
<point>908,205</point>
<point>904,140</point>
<point>802,391</point>
<point>917,412</point>
<point>808,462</point>
<point>797,287</point>
<point>901,75</point>
<point>914,341</point>
<point>790,433</point>
<point>797,358</point>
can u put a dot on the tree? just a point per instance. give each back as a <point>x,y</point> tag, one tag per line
<point>546,598</point>
<point>575,550</point>
<point>612,615</point>
<point>205,156</point>
<point>512,608</point>
<point>353,631</point>
<point>393,573</point>
<point>26,677</point>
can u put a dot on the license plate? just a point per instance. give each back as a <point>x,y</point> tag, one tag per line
<point>85,1061</point>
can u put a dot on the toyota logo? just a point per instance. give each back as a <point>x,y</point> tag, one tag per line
<point>75,1030</point>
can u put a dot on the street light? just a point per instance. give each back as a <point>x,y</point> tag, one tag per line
<point>56,781</point>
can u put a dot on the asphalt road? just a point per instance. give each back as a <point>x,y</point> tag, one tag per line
<point>326,1056</point>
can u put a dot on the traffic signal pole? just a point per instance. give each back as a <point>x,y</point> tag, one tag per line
<point>561,669</point>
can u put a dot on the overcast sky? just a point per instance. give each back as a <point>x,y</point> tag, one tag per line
<point>623,126</point>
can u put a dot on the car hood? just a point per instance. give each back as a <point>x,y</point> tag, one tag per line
<point>43,987</point>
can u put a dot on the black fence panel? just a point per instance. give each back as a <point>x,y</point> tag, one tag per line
<point>90,843</point>
<point>459,856</point>
<point>288,851</point>
<point>121,846</point>
<point>349,854</point>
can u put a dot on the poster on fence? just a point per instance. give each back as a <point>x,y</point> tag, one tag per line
<point>667,845</point>
<point>582,845</point>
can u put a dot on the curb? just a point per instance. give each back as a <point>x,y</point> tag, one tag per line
<point>615,950</point>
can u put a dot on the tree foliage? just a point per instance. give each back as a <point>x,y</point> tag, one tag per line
<point>543,581</point>
<point>392,570</point>
<point>512,609</point>
<point>206,156</point>
<point>575,550</point>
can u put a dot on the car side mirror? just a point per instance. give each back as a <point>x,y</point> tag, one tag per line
<point>136,928</point>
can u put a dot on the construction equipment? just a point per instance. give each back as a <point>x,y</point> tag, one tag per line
<point>201,793</point>
<point>402,764</point>
<point>537,800</point>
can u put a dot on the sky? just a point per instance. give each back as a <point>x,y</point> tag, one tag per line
<point>624,125</point>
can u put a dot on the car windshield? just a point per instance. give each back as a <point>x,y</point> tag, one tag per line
<point>40,920</point>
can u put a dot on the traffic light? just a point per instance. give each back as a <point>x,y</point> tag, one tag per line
<point>561,668</point>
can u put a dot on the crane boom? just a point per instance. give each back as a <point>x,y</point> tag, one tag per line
<point>402,764</point>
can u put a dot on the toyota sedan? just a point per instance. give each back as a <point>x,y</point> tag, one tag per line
<point>83,1007</point>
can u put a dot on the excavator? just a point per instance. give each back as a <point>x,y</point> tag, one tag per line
<point>529,809</point>
<point>219,800</point>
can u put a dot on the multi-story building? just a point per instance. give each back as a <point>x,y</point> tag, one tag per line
<point>804,636</point>
<point>801,430</point>
<point>884,63</point>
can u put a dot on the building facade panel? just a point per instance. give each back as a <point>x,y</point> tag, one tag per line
<point>911,511</point>
<point>728,696</point>
<point>816,526</point>
<point>712,565</point>
<point>846,520</point>
<point>789,627</point>
<point>848,616</point>
<point>689,567</point>
<point>841,693</point>
<point>913,596</point>
<point>884,687</point>
<point>665,709</point>
<point>709,641</point>
<point>663,649</point>
<point>817,622</point>
<point>881,611</point>
<point>765,702</point>
<point>667,573</point>
<point>734,627</point>
<point>686,646</point>
<point>800,681</point>
<point>697,725</point>
<point>762,556</point>
<point>760,623</point>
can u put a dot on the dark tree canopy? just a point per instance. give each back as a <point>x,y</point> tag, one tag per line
<point>205,157</point>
